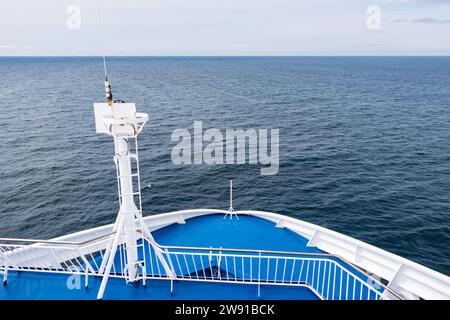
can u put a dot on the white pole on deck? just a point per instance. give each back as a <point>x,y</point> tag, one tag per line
<point>231,196</point>
<point>231,211</point>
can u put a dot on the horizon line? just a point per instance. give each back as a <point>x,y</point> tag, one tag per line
<point>223,56</point>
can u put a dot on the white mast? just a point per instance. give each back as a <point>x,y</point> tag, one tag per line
<point>123,123</point>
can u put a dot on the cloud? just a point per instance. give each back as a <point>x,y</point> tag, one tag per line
<point>423,20</point>
<point>7,47</point>
<point>430,20</point>
<point>428,2</point>
<point>179,27</point>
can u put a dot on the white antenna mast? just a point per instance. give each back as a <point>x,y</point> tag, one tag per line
<point>121,121</point>
<point>231,211</point>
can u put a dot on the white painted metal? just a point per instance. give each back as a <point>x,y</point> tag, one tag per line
<point>123,124</point>
<point>231,209</point>
<point>414,280</point>
<point>287,274</point>
<point>65,258</point>
<point>127,208</point>
<point>4,273</point>
<point>231,196</point>
<point>411,279</point>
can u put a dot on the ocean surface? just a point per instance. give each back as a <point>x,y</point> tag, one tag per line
<point>364,143</point>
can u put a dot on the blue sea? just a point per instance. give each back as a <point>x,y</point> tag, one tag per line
<point>364,143</point>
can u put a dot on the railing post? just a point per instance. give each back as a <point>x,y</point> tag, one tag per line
<point>86,279</point>
<point>210,259</point>
<point>144,272</point>
<point>259,275</point>
<point>88,266</point>
<point>173,275</point>
<point>219,260</point>
<point>5,277</point>
<point>8,260</point>
<point>210,256</point>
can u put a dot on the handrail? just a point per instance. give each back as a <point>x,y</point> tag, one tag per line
<point>57,241</point>
<point>313,278</point>
<point>234,250</point>
<point>316,254</point>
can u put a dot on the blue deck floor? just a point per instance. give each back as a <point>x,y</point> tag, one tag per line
<point>206,231</point>
<point>40,286</point>
<point>248,232</point>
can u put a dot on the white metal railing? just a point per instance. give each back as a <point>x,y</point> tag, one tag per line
<point>52,257</point>
<point>325,275</point>
<point>328,276</point>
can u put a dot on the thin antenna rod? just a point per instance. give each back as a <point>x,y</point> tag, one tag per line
<point>108,91</point>
<point>102,33</point>
<point>231,195</point>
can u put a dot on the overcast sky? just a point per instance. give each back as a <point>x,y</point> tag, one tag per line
<point>225,27</point>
